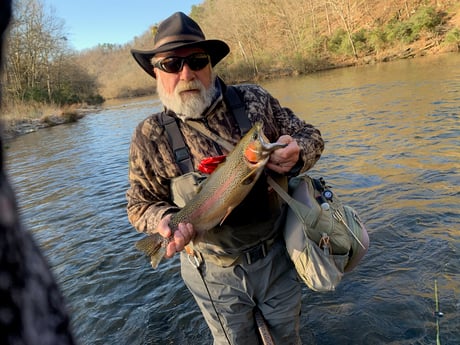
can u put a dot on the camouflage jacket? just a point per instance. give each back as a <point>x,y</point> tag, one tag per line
<point>152,164</point>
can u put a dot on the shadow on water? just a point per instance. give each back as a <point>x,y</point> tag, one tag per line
<point>392,137</point>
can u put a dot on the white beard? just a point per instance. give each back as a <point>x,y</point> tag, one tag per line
<point>187,106</point>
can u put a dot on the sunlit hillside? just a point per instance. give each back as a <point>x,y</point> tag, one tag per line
<point>271,38</point>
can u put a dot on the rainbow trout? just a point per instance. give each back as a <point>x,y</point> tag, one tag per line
<point>222,191</point>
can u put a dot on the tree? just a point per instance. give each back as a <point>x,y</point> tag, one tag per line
<point>37,51</point>
<point>345,10</point>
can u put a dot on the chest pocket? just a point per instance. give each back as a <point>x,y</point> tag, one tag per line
<point>183,188</point>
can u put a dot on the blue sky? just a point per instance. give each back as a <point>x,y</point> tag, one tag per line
<point>90,22</point>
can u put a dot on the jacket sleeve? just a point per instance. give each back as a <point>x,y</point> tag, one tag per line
<point>307,136</point>
<point>148,193</point>
<point>279,121</point>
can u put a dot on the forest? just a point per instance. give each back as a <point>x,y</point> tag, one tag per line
<point>268,39</point>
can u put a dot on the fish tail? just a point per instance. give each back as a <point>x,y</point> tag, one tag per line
<point>155,259</point>
<point>154,246</point>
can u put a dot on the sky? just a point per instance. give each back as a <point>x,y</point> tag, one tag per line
<point>92,22</point>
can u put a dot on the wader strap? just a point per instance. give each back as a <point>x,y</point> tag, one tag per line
<point>238,108</point>
<point>214,137</point>
<point>181,152</point>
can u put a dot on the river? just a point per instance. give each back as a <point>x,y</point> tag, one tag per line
<point>392,151</point>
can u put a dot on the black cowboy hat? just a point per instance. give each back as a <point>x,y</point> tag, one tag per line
<point>179,31</point>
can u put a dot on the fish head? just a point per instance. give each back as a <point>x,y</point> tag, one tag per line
<point>258,148</point>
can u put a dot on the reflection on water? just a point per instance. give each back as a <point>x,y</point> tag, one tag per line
<point>392,137</point>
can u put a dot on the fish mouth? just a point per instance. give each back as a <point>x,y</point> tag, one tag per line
<point>268,148</point>
<point>261,154</point>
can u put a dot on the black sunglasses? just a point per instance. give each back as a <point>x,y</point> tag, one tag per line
<point>174,64</point>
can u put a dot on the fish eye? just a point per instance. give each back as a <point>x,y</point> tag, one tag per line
<point>255,135</point>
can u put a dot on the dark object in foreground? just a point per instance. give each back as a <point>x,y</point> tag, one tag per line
<point>32,309</point>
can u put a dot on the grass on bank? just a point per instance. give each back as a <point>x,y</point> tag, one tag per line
<point>15,114</point>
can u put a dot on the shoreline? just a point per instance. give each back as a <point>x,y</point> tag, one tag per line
<point>31,125</point>
<point>419,49</point>
<point>415,51</point>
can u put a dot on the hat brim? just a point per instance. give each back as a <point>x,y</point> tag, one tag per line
<point>216,49</point>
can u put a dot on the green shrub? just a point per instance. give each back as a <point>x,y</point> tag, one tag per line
<point>36,94</point>
<point>360,40</point>
<point>336,41</point>
<point>377,39</point>
<point>401,31</point>
<point>339,43</point>
<point>453,36</point>
<point>426,18</point>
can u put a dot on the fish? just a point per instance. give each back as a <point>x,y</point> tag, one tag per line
<point>220,193</point>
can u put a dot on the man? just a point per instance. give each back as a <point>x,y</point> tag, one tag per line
<point>32,309</point>
<point>243,263</point>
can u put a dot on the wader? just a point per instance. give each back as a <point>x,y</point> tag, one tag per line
<point>270,284</point>
<point>229,290</point>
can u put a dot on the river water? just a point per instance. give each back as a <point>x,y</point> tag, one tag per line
<point>392,151</point>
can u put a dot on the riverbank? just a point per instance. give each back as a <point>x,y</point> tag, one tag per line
<point>29,123</point>
<point>426,46</point>
<point>12,128</point>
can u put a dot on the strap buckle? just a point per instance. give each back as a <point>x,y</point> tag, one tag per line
<point>192,257</point>
<point>181,154</point>
<point>255,253</point>
<point>193,260</point>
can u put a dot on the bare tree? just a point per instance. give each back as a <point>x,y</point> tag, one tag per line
<point>38,56</point>
<point>345,10</point>
<point>35,41</point>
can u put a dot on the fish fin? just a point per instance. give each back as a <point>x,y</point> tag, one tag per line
<point>249,178</point>
<point>155,259</point>
<point>154,246</point>
<point>229,210</point>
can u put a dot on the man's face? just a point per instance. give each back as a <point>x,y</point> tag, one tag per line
<point>188,93</point>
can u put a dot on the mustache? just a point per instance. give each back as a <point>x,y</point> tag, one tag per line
<point>191,85</point>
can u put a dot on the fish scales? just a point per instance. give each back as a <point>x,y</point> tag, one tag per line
<point>224,190</point>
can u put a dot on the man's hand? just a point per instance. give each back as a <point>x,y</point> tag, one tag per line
<point>282,160</point>
<point>182,236</point>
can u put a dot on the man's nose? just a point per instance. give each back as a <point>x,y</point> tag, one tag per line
<point>187,73</point>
